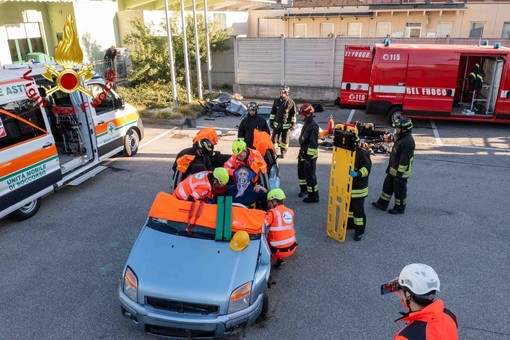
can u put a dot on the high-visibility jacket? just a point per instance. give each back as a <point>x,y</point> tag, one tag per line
<point>249,125</point>
<point>283,113</point>
<point>401,156</point>
<point>309,139</point>
<point>280,222</point>
<point>207,133</point>
<point>196,186</point>
<point>362,165</point>
<point>433,322</point>
<point>254,161</point>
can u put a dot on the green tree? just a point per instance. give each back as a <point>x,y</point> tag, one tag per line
<point>150,54</point>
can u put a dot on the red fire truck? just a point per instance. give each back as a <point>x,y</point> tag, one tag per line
<point>449,82</point>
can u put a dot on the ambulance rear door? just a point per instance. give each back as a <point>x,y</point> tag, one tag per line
<point>356,75</point>
<point>431,82</point>
<point>29,162</point>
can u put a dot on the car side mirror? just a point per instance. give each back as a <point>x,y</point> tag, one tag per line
<point>120,103</point>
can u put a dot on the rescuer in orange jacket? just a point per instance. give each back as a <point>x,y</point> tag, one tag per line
<point>280,223</point>
<point>426,318</point>
<point>245,156</point>
<point>202,186</point>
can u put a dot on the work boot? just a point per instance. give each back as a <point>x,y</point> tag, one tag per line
<point>312,198</point>
<point>282,154</point>
<point>358,237</point>
<point>396,211</point>
<point>378,206</point>
<point>280,263</point>
<point>302,194</point>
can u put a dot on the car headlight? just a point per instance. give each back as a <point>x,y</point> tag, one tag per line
<point>130,286</point>
<point>240,298</point>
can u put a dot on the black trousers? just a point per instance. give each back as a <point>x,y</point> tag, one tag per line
<point>307,177</point>
<point>393,185</point>
<point>357,218</point>
<point>281,137</point>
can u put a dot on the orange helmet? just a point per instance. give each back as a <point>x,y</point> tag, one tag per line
<point>306,108</point>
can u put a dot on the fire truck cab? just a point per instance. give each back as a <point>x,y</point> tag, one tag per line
<point>449,82</point>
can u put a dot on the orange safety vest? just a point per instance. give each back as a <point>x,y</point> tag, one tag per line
<point>197,186</point>
<point>184,162</point>
<point>254,161</point>
<point>262,142</point>
<point>280,221</point>
<point>208,133</point>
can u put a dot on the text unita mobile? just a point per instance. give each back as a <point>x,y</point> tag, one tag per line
<point>33,94</point>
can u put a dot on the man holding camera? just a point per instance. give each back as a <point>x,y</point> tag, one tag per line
<point>426,317</point>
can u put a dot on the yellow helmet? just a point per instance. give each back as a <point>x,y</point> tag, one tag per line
<point>238,146</point>
<point>240,240</point>
<point>276,194</point>
<point>221,174</point>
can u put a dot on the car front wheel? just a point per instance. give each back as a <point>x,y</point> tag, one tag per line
<point>27,211</point>
<point>131,143</point>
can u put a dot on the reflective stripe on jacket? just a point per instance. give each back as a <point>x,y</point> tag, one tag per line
<point>363,166</point>
<point>196,186</point>
<point>434,322</point>
<point>401,156</point>
<point>280,222</point>
<point>254,161</point>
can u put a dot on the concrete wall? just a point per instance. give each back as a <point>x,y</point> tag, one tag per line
<point>222,68</point>
<point>299,94</point>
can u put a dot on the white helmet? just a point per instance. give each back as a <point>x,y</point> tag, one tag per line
<point>419,278</point>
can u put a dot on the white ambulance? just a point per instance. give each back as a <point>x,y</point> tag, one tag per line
<point>50,138</point>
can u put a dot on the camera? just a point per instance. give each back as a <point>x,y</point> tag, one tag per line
<point>390,287</point>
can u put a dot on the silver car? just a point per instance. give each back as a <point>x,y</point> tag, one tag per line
<point>183,280</point>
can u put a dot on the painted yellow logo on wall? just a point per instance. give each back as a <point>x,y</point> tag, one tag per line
<point>68,54</point>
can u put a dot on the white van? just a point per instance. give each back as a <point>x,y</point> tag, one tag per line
<point>50,138</point>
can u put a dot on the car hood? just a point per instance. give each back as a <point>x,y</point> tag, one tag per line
<point>190,269</point>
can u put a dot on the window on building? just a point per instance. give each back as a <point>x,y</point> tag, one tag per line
<point>413,30</point>
<point>354,29</point>
<point>476,30</point>
<point>270,27</point>
<point>327,29</point>
<point>444,29</point>
<point>506,30</point>
<point>221,18</point>
<point>382,29</point>
<point>23,39</point>
<point>299,30</point>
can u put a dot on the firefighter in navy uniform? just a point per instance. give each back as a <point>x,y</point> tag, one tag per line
<point>282,118</point>
<point>308,153</point>
<point>250,123</point>
<point>398,170</point>
<point>362,166</point>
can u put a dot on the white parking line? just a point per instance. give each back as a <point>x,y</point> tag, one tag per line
<point>436,133</point>
<point>350,116</point>
<point>157,137</point>
<point>486,148</point>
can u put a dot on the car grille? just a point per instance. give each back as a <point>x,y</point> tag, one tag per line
<point>181,306</point>
<point>179,332</point>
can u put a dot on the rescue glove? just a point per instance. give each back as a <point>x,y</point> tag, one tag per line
<point>353,173</point>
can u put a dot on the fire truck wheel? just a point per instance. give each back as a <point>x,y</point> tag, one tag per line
<point>394,115</point>
<point>27,211</point>
<point>131,143</point>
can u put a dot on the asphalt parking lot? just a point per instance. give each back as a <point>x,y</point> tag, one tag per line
<point>59,269</point>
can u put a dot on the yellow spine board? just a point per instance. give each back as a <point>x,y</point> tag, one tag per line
<point>340,183</point>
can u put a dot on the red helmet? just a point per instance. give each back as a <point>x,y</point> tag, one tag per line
<point>306,108</point>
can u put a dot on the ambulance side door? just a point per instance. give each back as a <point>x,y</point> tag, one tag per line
<point>29,161</point>
<point>108,122</point>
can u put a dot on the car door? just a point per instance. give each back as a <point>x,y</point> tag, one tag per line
<point>29,161</point>
<point>108,121</point>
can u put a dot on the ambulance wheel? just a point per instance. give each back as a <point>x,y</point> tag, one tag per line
<point>394,115</point>
<point>131,143</point>
<point>27,211</point>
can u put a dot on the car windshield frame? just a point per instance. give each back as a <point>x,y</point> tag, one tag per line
<point>179,229</point>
